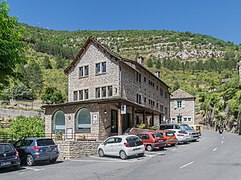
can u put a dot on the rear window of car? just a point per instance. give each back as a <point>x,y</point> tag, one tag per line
<point>45,142</point>
<point>134,141</point>
<point>156,135</point>
<point>170,134</point>
<point>6,148</point>
<point>162,127</point>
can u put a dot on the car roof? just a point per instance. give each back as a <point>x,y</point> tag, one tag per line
<point>32,138</point>
<point>122,136</point>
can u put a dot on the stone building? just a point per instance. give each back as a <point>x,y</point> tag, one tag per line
<point>182,107</point>
<point>106,95</point>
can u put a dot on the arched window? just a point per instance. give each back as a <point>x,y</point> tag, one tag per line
<point>59,121</point>
<point>83,120</point>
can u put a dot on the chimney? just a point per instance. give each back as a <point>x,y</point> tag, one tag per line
<point>140,60</point>
<point>158,74</point>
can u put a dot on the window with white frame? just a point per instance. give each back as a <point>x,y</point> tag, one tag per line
<point>86,94</point>
<point>179,104</point>
<point>100,68</point>
<point>81,95</point>
<point>110,91</point>
<point>83,71</point>
<point>179,119</point>
<point>97,92</point>
<point>103,91</point>
<point>75,95</point>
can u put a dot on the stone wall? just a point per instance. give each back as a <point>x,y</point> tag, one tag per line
<point>187,111</point>
<point>131,87</point>
<point>72,150</point>
<point>90,57</point>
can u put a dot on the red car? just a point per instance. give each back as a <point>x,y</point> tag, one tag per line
<point>170,137</point>
<point>152,140</point>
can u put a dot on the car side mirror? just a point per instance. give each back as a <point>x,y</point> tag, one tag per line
<point>104,143</point>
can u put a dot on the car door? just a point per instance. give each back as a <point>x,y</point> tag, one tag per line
<point>22,148</point>
<point>109,146</point>
<point>117,146</point>
<point>19,145</point>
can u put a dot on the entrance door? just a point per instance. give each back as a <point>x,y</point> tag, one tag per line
<point>114,121</point>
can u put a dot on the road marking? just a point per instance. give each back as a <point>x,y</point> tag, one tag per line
<point>105,161</point>
<point>222,142</point>
<point>186,165</point>
<point>215,149</point>
<point>33,169</point>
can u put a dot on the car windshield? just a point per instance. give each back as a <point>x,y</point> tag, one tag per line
<point>186,127</point>
<point>6,148</point>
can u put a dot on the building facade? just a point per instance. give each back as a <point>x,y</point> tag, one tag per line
<point>107,94</point>
<point>182,108</point>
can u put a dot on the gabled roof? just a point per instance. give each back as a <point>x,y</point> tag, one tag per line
<point>82,50</point>
<point>106,50</point>
<point>180,94</point>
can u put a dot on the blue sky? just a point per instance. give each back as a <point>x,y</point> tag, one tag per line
<point>217,18</point>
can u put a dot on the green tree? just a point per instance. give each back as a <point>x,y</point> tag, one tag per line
<point>158,64</point>
<point>27,126</point>
<point>176,86</point>
<point>51,95</point>
<point>149,63</point>
<point>11,47</point>
<point>21,91</point>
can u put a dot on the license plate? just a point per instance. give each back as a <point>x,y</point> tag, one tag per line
<point>136,149</point>
<point>5,163</point>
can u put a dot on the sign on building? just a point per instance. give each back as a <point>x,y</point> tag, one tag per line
<point>123,109</point>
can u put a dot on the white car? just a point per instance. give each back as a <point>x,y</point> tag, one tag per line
<point>122,146</point>
<point>182,136</point>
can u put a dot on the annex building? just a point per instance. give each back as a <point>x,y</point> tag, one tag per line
<point>106,95</point>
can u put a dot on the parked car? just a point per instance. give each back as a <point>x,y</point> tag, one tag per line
<point>170,137</point>
<point>198,128</point>
<point>193,134</point>
<point>37,149</point>
<point>152,140</point>
<point>9,156</point>
<point>182,136</point>
<point>168,126</point>
<point>122,146</point>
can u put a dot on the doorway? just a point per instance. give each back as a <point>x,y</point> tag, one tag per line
<point>114,121</point>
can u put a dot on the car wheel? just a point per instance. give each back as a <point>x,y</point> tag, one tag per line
<point>149,148</point>
<point>52,161</point>
<point>141,154</point>
<point>101,153</point>
<point>123,155</point>
<point>30,160</point>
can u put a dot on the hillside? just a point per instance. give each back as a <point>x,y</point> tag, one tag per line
<point>197,59</point>
<point>129,43</point>
<point>202,65</point>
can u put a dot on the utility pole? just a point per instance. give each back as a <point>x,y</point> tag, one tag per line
<point>239,133</point>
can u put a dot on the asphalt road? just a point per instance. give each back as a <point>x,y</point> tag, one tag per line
<point>214,157</point>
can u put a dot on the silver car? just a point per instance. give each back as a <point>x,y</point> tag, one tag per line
<point>182,136</point>
<point>193,134</point>
<point>122,146</point>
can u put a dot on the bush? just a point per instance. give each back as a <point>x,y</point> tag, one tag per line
<point>27,127</point>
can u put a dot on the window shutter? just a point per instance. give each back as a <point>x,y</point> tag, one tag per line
<point>183,104</point>
<point>175,104</point>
